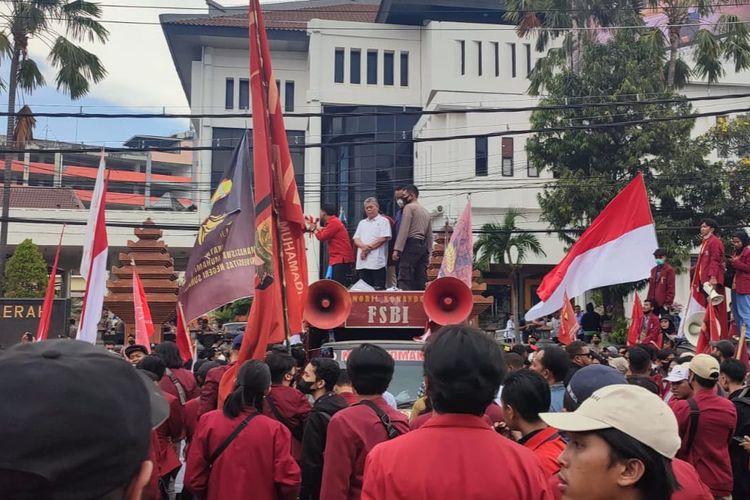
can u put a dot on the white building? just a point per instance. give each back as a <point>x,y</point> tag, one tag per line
<point>360,56</point>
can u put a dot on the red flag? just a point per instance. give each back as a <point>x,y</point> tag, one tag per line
<point>281,281</point>
<point>144,326</point>
<point>636,322</point>
<point>710,332</point>
<point>459,253</point>
<point>49,297</point>
<point>183,336</point>
<point>568,323</point>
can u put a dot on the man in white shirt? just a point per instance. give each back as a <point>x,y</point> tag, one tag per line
<point>371,238</point>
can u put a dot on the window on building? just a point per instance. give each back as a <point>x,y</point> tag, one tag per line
<point>531,169</point>
<point>480,156</point>
<point>338,66</point>
<point>244,93</point>
<point>462,55</point>
<point>527,47</point>
<point>479,58</point>
<point>355,66</point>
<point>388,68</point>
<point>372,67</point>
<point>289,96</point>
<point>507,156</point>
<point>512,59</point>
<point>496,47</point>
<point>229,94</point>
<point>404,69</point>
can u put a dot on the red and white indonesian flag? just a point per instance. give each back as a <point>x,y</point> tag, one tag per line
<point>94,261</point>
<point>617,248</point>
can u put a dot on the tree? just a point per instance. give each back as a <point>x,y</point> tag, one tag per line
<point>76,67</point>
<point>726,38</point>
<point>495,245</point>
<point>26,274</point>
<point>591,164</point>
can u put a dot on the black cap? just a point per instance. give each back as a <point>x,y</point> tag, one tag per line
<point>587,381</point>
<point>725,347</point>
<point>75,415</point>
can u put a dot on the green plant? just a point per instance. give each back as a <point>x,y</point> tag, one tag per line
<point>619,334</point>
<point>26,274</point>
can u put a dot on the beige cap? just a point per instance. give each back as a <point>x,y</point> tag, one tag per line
<point>705,366</point>
<point>630,409</point>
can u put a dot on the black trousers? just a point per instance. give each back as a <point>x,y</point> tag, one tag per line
<point>341,273</point>
<point>412,266</point>
<point>373,277</point>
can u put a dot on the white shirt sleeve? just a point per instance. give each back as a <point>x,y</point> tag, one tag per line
<point>384,228</point>
<point>358,232</point>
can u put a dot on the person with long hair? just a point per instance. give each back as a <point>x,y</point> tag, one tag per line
<point>237,452</point>
<point>177,381</point>
<point>740,263</point>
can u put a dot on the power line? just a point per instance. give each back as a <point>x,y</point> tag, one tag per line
<point>413,140</point>
<point>402,112</point>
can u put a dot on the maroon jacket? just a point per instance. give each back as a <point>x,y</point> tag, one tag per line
<point>190,411</point>
<point>661,291</point>
<point>209,397</point>
<point>653,331</point>
<point>711,261</point>
<point>352,433</point>
<point>453,456</point>
<point>169,434</point>
<point>293,408</point>
<point>710,451</point>
<point>742,272</point>
<point>492,415</point>
<point>257,463</point>
<point>186,380</point>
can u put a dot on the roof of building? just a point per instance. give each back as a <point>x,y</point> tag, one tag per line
<point>90,173</point>
<point>291,18</point>
<point>42,197</point>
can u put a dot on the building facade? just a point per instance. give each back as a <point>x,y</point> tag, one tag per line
<point>365,73</point>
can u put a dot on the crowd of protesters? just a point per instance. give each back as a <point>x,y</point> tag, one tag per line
<point>538,422</point>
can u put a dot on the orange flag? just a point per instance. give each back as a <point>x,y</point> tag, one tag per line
<point>636,322</point>
<point>281,281</point>
<point>568,323</point>
<point>144,326</point>
<point>711,330</point>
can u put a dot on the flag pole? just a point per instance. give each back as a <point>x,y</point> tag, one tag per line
<point>274,211</point>
<point>741,342</point>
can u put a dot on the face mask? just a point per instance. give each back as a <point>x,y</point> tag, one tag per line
<point>659,262</point>
<point>400,203</point>
<point>304,386</point>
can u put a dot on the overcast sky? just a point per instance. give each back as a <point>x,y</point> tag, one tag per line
<point>140,74</point>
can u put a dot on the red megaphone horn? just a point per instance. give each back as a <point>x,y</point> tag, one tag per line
<point>448,301</point>
<point>328,304</point>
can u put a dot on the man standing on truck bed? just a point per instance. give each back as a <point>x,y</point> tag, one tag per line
<point>413,242</point>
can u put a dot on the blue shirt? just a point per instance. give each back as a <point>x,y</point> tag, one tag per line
<point>557,392</point>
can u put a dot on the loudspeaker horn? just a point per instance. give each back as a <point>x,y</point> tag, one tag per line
<point>448,301</point>
<point>713,296</point>
<point>693,326</point>
<point>328,304</point>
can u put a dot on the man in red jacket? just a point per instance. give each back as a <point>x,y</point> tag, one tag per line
<point>355,430</point>
<point>706,424</point>
<point>209,396</point>
<point>340,253</point>
<point>526,394</point>
<point>661,283</point>
<point>710,268</point>
<point>651,326</point>
<point>456,454</point>
<point>285,403</point>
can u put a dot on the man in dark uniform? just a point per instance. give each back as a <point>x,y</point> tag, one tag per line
<point>413,242</point>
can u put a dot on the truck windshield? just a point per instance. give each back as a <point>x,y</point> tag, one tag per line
<point>407,377</point>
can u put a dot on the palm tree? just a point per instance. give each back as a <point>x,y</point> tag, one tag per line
<point>77,21</point>
<point>494,246</point>
<point>728,38</point>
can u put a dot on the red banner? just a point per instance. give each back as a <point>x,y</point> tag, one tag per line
<point>636,322</point>
<point>144,326</point>
<point>568,323</point>
<point>386,310</point>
